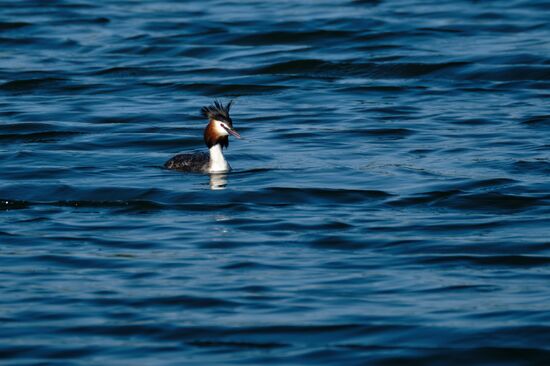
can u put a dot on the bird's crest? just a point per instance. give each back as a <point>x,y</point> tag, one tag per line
<point>218,112</point>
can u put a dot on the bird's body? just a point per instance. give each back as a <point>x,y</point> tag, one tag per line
<point>190,162</point>
<point>216,137</point>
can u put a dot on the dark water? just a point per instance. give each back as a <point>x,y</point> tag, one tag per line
<point>390,207</point>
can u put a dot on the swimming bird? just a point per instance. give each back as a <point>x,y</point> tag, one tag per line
<point>216,137</point>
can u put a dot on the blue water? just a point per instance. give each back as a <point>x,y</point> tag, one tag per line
<point>389,206</point>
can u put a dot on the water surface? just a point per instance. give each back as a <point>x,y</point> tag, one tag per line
<point>390,205</point>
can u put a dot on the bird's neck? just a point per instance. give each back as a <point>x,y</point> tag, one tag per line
<point>217,160</point>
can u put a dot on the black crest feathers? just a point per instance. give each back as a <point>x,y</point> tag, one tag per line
<point>218,112</point>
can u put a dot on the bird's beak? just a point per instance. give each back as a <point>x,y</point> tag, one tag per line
<point>232,132</point>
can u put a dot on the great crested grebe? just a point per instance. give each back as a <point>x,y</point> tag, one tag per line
<point>216,137</point>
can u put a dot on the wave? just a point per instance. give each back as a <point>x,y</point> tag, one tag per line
<point>488,201</point>
<point>322,68</point>
<point>128,198</point>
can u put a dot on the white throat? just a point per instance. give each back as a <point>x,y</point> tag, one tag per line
<point>217,161</point>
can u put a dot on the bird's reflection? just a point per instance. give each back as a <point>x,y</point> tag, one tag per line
<point>218,181</point>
